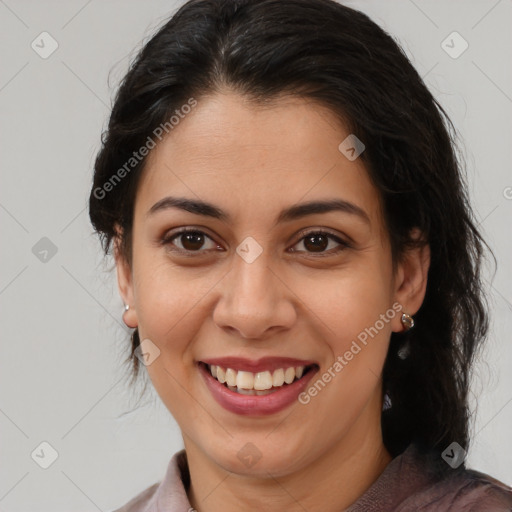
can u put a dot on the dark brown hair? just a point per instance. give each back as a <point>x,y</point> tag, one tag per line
<point>329,53</point>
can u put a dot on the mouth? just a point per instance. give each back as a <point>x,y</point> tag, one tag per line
<point>257,383</point>
<point>256,388</point>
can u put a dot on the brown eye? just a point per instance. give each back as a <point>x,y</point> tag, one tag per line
<point>319,241</point>
<point>189,240</point>
<point>316,243</point>
<point>192,241</point>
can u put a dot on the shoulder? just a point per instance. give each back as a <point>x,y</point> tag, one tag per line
<point>169,494</point>
<point>420,480</point>
<point>460,489</point>
<point>141,501</point>
<point>467,490</point>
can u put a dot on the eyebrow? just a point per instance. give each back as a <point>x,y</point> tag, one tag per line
<point>294,212</point>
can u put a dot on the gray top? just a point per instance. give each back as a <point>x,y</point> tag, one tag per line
<point>411,482</point>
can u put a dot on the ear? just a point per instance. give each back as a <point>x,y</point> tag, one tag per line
<point>411,279</point>
<point>125,282</point>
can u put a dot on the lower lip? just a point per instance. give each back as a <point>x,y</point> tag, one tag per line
<point>254,405</point>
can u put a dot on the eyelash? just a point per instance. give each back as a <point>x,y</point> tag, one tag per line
<point>168,239</point>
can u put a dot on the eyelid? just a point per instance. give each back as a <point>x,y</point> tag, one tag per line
<point>324,231</point>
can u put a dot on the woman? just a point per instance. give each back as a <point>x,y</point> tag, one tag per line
<point>299,262</point>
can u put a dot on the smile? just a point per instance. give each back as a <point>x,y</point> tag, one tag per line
<point>273,384</point>
<point>261,383</point>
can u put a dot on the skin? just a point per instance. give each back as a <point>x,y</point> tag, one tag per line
<point>252,161</point>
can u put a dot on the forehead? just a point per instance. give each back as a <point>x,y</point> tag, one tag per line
<point>232,152</point>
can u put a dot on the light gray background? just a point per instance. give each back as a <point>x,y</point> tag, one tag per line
<point>62,336</point>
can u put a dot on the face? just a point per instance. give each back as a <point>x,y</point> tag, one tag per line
<point>261,284</point>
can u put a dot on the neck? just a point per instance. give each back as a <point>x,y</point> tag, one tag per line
<point>332,482</point>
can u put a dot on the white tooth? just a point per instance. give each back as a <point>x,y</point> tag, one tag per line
<point>263,380</point>
<point>278,377</point>
<point>232,388</point>
<point>221,375</point>
<point>243,391</point>
<point>213,370</point>
<point>289,375</point>
<point>299,370</point>
<point>244,380</point>
<point>231,377</point>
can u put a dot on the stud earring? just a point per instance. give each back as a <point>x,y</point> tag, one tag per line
<point>126,307</point>
<point>407,321</point>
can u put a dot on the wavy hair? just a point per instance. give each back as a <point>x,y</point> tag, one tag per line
<point>338,57</point>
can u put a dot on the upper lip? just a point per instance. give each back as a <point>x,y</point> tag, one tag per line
<point>258,365</point>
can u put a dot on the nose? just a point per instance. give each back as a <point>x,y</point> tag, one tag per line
<point>255,301</point>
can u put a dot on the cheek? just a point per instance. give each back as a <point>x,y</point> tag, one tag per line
<point>161,298</point>
<point>169,301</point>
<point>350,301</point>
<point>358,313</point>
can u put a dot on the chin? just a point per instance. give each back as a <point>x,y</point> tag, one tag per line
<point>257,458</point>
